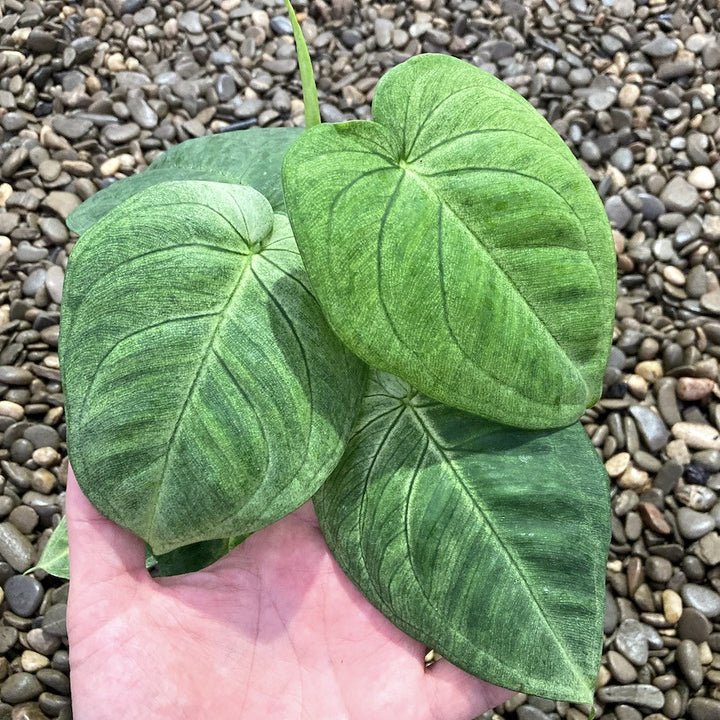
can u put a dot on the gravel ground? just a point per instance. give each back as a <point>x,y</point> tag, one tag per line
<point>91,92</point>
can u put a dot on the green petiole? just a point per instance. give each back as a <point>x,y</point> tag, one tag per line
<point>310,97</point>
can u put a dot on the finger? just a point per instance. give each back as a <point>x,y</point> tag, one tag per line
<point>456,693</point>
<point>100,550</point>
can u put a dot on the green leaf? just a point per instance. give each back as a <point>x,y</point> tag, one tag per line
<point>55,558</point>
<point>456,242</point>
<point>485,542</point>
<point>243,157</point>
<point>206,396</point>
<point>197,556</point>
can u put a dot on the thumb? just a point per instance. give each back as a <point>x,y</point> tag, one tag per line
<point>100,550</point>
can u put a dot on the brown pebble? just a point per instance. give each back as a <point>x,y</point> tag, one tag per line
<point>12,409</point>
<point>634,479</point>
<point>46,457</point>
<point>651,370</point>
<point>654,519</point>
<point>693,625</point>
<point>672,606</point>
<point>690,388</point>
<point>622,670</point>
<point>697,435</point>
<point>635,574</point>
<point>617,464</point>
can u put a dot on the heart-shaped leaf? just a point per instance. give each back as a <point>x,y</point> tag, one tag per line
<point>206,396</point>
<point>456,242</point>
<point>244,157</point>
<point>485,542</point>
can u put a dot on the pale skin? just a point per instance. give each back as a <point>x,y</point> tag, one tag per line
<point>273,630</point>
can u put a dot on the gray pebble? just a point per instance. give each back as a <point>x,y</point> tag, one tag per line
<point>53,621</point>
<point>693,625</point>
<point>651,207</point>
<point>24,518</point>
<point>281,25</point>
<point>678,195</point>
<point>651,427</point>
<point>710,301</point>
<point>631,640</point>
<point>23,594</point>
<point>43,436</point>
<point>62,202</point>
<point>191,22</point>
<point>660,47</point>
<point>15,548</point>
<point>688,658</point>
<point>8,638</point>
<point>704,708</point>
<point>34,281</point>
<point>54,279</point>
<point>225,87</point>
<point>28,253</point>
<point>54,679</point>
<point>528,712</point>
<point>696,282</point>
<point>140,111</point>
<point>693,524</point>
<point>675,69</point>
<point>697,497</point>
<point>620,668</point>
<point>13,375</point>
<point>701,598</point>
<point>641,695</point>
<point>14,162</point>
<point>20,687</point>
<point>121,134</point>
<point>73,128</point>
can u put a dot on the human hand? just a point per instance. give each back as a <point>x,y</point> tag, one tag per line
<point>272,630</point>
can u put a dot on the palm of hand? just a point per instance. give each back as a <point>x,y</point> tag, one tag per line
<point>273,630</point>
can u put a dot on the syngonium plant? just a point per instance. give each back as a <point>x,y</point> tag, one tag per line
<point>403,319</point>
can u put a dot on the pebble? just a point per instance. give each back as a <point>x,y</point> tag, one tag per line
<point>641,695</point>
<point>678,195</point>
<point>54,279</point>
<point>704,708</point>
<point>621,669</point>
<point>688,659</point>
<point>693,524</point>
<point>23,594</point>
<point>631,640</point>
<point>20,687</point>
<point>651,427</point>
<point>697,435</point>
<point>701,598</point>
<point>15,548</point>
<point>32,661</point>
<point>672,606</point>
<point>53,621</point>
<point>693,625</point>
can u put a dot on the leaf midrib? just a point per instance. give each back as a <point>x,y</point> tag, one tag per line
<point>419,178</point>
<point>207,353</point>
<point>427,429</point>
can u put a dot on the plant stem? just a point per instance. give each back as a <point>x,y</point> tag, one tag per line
<point>310,97</point>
